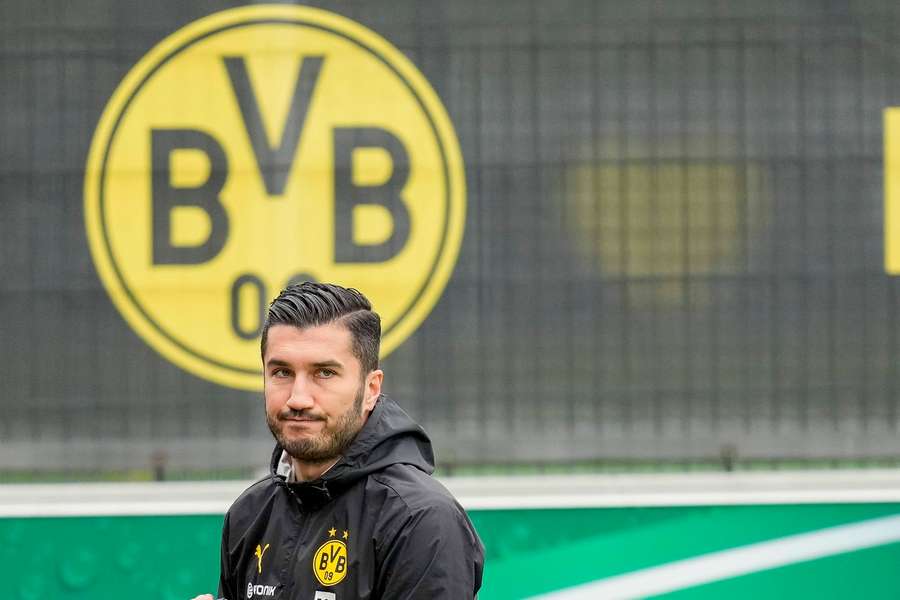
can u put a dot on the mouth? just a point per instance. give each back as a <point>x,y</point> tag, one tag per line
<point>302,421</point>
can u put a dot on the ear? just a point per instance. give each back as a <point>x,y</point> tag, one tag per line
<point>373,389</point>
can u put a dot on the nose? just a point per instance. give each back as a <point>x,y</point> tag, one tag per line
<point>301,396</point>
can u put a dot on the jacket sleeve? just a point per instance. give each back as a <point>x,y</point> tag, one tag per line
<point>434,553</point>
<point>226,578</point>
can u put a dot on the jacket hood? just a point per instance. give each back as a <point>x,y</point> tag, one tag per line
<point>388,437</point>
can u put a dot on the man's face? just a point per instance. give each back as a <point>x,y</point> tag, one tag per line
<point>317,397</point>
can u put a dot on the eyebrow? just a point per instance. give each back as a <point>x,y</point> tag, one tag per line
<point>277,362</point>
<point>328,363</point>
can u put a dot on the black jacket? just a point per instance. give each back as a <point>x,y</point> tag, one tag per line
<point>375,525</point>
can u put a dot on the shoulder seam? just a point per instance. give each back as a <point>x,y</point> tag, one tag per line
<point>383,481</point>
<point>377,477</point>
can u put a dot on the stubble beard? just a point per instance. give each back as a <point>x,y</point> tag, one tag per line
<point>329,443</point>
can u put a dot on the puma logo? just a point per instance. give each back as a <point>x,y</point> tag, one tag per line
<point>259,554</point>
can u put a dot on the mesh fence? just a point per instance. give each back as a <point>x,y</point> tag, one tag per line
<point>673,250</point>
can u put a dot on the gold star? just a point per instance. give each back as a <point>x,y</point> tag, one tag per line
<point>346,534</point>
<point>331,532</point>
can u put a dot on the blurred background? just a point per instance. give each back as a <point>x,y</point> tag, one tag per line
<point>673,250</point>
<point>673,256</point>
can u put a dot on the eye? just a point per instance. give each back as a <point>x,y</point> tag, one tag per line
<point>280,372</point>
<point>325,373</point>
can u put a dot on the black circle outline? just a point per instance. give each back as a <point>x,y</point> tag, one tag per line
<point>316,553</point>
<point>172,54</point>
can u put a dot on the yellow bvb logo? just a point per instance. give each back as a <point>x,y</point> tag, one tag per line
<point>264,145</point>
<point>330,562</point>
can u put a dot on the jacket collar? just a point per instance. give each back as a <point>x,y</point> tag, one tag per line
<point>312,495</point>
<point>389,436</point>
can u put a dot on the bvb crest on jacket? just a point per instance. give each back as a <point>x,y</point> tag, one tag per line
<point>330,560</point>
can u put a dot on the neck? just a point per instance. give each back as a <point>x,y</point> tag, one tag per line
<point>308,471</point>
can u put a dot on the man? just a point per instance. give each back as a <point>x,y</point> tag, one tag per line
<point>349,510</point>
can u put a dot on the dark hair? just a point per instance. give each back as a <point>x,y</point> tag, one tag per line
<point>311,304</point>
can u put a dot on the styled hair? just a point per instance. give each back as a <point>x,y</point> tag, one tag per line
<point>311,304</point>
